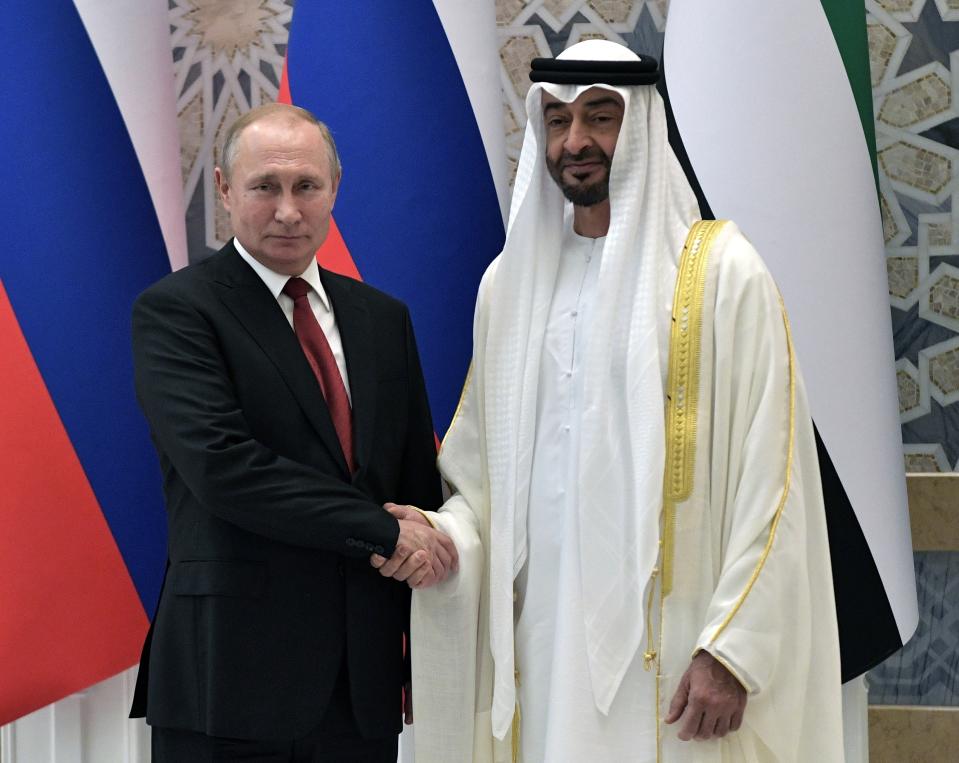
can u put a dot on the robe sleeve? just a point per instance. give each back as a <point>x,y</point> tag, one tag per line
<point>444,630</point>
<point>772,606</point>
<point>448,635</point>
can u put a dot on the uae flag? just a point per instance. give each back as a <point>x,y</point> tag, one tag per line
<point>773,119</point>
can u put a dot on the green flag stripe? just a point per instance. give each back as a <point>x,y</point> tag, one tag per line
<point>848,22</point>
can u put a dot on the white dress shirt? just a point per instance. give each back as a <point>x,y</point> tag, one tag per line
<point>319,302</point>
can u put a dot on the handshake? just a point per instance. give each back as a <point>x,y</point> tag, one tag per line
<point>424,556</point>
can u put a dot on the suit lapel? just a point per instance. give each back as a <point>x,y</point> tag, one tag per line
<point>247,297</point>
<point>356,332</point>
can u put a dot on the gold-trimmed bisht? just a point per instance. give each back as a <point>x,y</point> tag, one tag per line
<point>786,480</point>
<point>682,397</point>
<point>681,409</point>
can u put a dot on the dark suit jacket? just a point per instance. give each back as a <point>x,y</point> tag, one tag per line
<point>268,586</point>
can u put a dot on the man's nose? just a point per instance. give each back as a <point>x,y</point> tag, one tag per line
<point>287,210</point>
<point>578,138</point>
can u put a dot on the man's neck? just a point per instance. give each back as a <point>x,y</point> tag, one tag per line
<point>592,222</point>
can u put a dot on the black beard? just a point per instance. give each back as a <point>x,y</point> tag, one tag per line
<point>581,195</point>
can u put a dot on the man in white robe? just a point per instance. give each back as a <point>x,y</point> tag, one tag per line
<point>644,571</point>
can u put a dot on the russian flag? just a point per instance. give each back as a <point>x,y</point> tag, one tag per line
<point>411,94</point>
<point>93,214</point>
<point>90,145</point>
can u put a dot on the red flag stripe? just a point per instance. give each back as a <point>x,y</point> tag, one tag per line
<point>333,254</point>
<point>70,616</point>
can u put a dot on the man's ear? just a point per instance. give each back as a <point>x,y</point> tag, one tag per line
<point>222,187</point>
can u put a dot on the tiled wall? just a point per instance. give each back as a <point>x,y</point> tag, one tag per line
<point>912,44</point>
<point>228,58</point>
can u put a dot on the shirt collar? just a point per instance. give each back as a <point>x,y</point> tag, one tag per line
<point>276,281</point>
<point>574,242</point>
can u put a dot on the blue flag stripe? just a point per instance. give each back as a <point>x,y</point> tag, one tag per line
<point>83,241</point>
<point>417,206</point>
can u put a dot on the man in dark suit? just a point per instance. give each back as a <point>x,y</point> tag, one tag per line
<point>287,404</point>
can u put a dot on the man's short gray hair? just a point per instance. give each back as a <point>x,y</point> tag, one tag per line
<point>231,143</point>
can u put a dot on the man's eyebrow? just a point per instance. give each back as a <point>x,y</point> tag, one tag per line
<point>604,101</point>
<point>270,177</point>
<point>599,102</point>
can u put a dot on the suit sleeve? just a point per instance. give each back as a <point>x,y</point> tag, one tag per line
<point>198,425</point>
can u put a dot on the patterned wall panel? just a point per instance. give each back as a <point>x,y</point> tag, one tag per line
<point>912,46</point>
<point>228,57</point>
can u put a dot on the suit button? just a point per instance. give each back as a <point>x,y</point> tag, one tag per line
<point>378,549</point>
<point>350,542</point>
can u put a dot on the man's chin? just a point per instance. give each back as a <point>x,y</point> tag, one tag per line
<point>583,192</point>
<point>287,258</point>
<point>586,195</point>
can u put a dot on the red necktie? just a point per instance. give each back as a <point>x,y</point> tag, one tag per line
<point>320,356</point>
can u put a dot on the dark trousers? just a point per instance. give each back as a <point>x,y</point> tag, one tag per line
<point>176,746</point>
<point>336,739</point>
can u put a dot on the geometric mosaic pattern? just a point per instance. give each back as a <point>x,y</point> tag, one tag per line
<point>926,670</point>
<point>228,58</point>
<point>913,45</point>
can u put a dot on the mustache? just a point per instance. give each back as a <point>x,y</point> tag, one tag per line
<point>592,153</point>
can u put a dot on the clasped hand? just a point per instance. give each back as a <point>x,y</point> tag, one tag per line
<point>424,556</point>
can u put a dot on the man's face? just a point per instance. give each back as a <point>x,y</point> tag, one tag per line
<point>580,141</point>
<point>280,192</point>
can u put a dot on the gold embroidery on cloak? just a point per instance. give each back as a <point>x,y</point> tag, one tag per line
<point>682,397</point>
<point>682,384</point>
